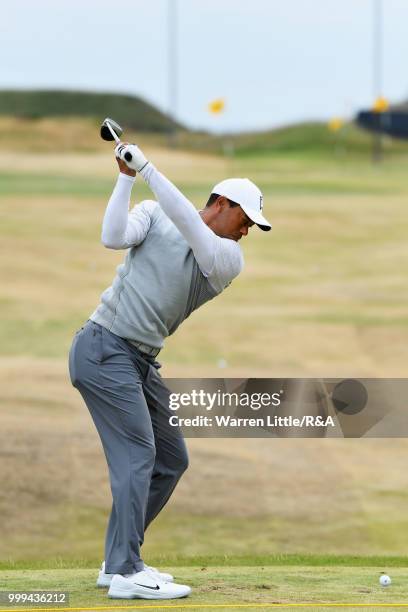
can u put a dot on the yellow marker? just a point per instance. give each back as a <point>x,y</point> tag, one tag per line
<point>381,105</point>
<point>216,106</point>
<point>335,124</point>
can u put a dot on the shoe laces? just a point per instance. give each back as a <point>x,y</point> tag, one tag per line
<point>152,571</point>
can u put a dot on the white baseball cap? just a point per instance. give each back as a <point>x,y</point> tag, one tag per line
<point>244,192</point>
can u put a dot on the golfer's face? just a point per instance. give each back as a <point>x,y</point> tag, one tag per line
<point>234,223</point>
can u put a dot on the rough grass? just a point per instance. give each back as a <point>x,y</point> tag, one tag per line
<point>240,497</point>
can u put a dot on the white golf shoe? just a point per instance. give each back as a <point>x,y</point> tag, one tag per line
<point>163,576</point>
<point>104,580</point>
<point>143,585</point>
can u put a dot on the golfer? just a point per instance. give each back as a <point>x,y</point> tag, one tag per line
<point>177,259</point>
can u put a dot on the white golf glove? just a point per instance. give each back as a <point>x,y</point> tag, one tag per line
<point>138,160</point>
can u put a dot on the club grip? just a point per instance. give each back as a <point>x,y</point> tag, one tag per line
<point>128,156</point>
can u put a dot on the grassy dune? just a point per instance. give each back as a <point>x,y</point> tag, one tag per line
<point>323,294</point>
<point>39,104</point>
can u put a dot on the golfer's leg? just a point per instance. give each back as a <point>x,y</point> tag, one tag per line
<point>110,385</point>
<point>171,452</point>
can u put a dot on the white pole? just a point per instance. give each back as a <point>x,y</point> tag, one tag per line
<point>377,73</point>
<point>378,48</point>
<point>172,33</point>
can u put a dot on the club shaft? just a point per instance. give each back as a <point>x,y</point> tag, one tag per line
<point>112,131</point>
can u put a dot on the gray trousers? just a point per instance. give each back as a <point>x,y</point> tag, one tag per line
<point>129,404</point>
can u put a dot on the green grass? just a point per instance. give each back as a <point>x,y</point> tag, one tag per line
<point>231,586</point>
<point>46,185</point>
<point>226,560</point>
<point>324,183</point>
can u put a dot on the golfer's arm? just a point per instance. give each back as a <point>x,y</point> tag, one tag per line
<point>120,230</point>
<point>185,217</point>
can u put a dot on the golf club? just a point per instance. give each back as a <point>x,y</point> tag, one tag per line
<point>111,130</point>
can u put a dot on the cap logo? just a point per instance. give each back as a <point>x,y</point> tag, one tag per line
<point>261,202</point>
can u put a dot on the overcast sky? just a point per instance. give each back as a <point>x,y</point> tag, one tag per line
<point>274,61</point>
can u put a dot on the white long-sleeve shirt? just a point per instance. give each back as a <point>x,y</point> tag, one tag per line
<point>219,259</point>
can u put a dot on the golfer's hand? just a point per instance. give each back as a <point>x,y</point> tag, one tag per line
<point>138,160</point>
<point>124,168</point>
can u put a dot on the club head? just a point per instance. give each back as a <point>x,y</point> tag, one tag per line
<point>106,134</point>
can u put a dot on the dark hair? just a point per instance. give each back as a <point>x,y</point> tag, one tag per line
<point>214,196</point>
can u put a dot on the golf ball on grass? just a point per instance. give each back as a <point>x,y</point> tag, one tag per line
<point>385,580</point>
